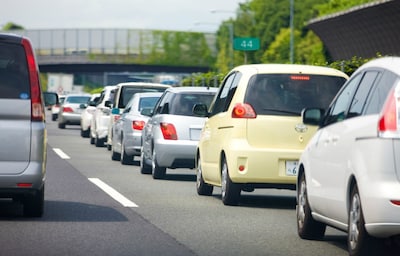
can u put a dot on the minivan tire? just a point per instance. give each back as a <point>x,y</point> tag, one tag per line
<point>230,190</point>
<point>33,205</point>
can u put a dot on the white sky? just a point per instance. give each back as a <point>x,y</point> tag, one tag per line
<point>181,15</point>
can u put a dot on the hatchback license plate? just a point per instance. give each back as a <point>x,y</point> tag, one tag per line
<point>291,168</point>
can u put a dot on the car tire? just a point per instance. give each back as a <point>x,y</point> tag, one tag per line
<point>125,159</point>
<point>203,188</point>
<point>157,171</point>
<point>85,133</point>
<point>92,140</point>
<point>99,142</point>
<point>307,227</point>
<point>115,156</point>
<point>144,167</point>
<point>230,191</point>
<point>33,205</point>
<point>359,242</point>
<point>53,117</point>
<point>61,125</point>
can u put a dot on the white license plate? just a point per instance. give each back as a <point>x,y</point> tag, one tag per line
<point>291,168</point>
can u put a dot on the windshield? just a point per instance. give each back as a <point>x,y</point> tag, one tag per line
<point>288,94</point>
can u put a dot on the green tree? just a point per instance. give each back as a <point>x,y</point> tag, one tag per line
<point>12,26</point>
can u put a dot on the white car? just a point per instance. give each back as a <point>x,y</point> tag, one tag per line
<point>349,173</point>
<point>127,130</point>
<point>101,117</point>
<point>87,114</point>
<point>71,110</point>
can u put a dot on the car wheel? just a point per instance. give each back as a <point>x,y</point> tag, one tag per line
<point>61,125</point>
<point>203,188</point>
<point>358,240</point>
<point>53,117</point>
<point>125,159</point>
<point>85,133</point>
<point>115,156</point>
<point>99,142</point>
<point>92,140</point>
<point>33,206</point>
<point>144,167</point>
<point>157,171</point>
<point>307,227</point>
<point>230,191</point>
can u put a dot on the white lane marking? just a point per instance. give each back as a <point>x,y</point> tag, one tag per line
<point>113,193</point>
<point>60,153</point>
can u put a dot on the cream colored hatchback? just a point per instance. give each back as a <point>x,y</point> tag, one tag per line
<point>254,134</point>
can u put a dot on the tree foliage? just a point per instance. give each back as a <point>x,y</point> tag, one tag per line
<point>12,26</point>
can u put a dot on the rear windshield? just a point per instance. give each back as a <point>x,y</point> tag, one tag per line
<point>127,93</point>
<point>287,94</point>
<point>14,81</point>
<point>182,103</point>
<point>78,99</point>
<point>147,102</point>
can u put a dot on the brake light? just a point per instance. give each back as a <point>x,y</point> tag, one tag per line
<point>24,185</point>
<point>67,109</point>
<point>395,202</point>
<point>388,121</point>
<point>138,125</point>
<point>168,131</point>
<point>37,109</point>
<point>300,77</point>
<point>243,110</point>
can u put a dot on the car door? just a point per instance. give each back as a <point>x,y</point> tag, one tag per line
<point>332,151</point>
<point>216,128</point>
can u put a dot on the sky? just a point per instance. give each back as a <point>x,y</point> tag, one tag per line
<point>180,15</point>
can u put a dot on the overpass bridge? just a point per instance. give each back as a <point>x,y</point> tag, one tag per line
<point>106,56</point>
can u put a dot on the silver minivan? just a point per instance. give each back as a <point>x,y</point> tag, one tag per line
<point>22,130</point>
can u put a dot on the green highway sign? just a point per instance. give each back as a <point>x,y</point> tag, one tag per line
<point>246,44</point>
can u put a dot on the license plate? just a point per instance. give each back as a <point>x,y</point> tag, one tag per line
<point>291,168</point>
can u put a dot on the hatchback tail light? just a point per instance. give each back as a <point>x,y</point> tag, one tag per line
<point>168,131</point>
<point>243,110</point>
<point>36,96</point>
<point>388,125</point>
<point>138,125</point>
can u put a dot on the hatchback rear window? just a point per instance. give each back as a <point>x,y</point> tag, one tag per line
<point>127,93</point>
<point>14,80</point>
<point>288,94</point>
<point>182,104</point>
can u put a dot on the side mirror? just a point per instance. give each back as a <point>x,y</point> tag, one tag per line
<point>115,111</point>
<point>312,116</point>
<point>50,99</point>
<point>200,110</point>
<point>108,103</point>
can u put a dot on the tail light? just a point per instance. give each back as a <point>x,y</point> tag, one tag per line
<point>67,109</point>
<point>138,125</point>
<point>243,110</point>
<point>388,126</point>
<point>37,109</point>
<point>168,131</point>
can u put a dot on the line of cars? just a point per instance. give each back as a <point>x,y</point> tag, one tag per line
<point>332,138</point>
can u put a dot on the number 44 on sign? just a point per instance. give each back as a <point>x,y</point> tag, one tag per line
<point>246,44</point>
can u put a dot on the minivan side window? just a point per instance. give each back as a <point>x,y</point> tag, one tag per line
<point>380,92</point>
<point>338,110</point>
<point>360,97</point>
<point>226,93</point>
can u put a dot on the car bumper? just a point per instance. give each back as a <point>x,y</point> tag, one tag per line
<point>260,165</point>
<point>133,143</point>
<point>70,118</point>
<point>175,153</point>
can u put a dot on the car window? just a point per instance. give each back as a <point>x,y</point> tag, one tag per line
<point>360,97</point>
<point>162,106</point>
<point>380,92</point>
<point>127,93</point>
<point>77,99</point>
<point>277,94</point>
<point>183,103</point>
<point>147,102</point>
<point>338,109</point>
<point>14,80</point>
<point>225,94</point>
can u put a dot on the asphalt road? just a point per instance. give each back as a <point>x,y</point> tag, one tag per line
<point>158,217</point>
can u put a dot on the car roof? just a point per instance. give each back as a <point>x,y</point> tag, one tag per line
<point>289,68</point>
<point>192,89</point>
<point>389,63</point>
<point>143,84</point>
